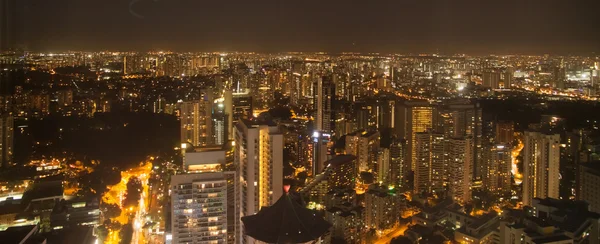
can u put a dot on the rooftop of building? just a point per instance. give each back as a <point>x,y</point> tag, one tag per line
<point>493,225</point>
<point>341,159</point>
<point>253,123</point>
<point>44,189</point>
<point>483,220</point>
<point>11,207</point>
<point>551,239</point>
<point>286,221</point>
<point>562,204</point>
<point>539,222</point>
<point>17,234</point>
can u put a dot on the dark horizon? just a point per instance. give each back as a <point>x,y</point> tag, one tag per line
<point>270,26</point>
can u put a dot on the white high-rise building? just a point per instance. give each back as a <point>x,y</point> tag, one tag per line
<point>199,207</point>
<point>541,161</point>
<point>258,158</point>
<point>460,163</point>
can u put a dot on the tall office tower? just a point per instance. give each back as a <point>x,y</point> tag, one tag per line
<point>397,166</point>
<point>320,152</point>
<point>498,179</point>
<point>258,158</point>
<point>324,96</point>
<point>242,106</point>
<point>383,166</point>
<point>228,103</point>
<point>6,140</point>
<point>467,122</point>
<point>541,161</point>
<point>413,117</point>
<point>384,113</point>
<point>220,121</point>
<point>460,164</point>
<point>294,89</point>
<point>196,121</point>
<point>199,208</point>
<point>505,131</point>
<point>363,145</point>
<point>491,79</point>
<point>429,169</point>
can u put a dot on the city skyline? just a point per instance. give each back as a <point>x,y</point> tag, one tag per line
<point>324,122</point>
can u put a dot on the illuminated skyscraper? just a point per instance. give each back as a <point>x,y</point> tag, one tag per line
<point>242,106</point>
<point>363,145</point>
<point>397,166</point>
<point>196,121</point>
<point>324,96</point>
<point>413,117</point>
<point>429,168</point>
<point>385,113</point>
<point>258,158</point>
<point>220,121</point>
<point>460,164</point>
<point>199,207</point>
<point>6,140</point>
<point>498,179</point>
<point>467,123</point>
<point>383,166</point>
<point>541,161</point>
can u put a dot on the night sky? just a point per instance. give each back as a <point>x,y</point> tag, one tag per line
<point>403,26</point>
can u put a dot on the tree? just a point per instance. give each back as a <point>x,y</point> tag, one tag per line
<point>126,233</point>
<point>111,210</point>
<point>134,190</point>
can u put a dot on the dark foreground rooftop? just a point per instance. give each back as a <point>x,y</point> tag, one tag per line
<point>286,221</point>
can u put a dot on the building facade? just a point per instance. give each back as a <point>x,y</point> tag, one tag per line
<point>541,161</point>
<point>199,208</point>
<point>258,158</point>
